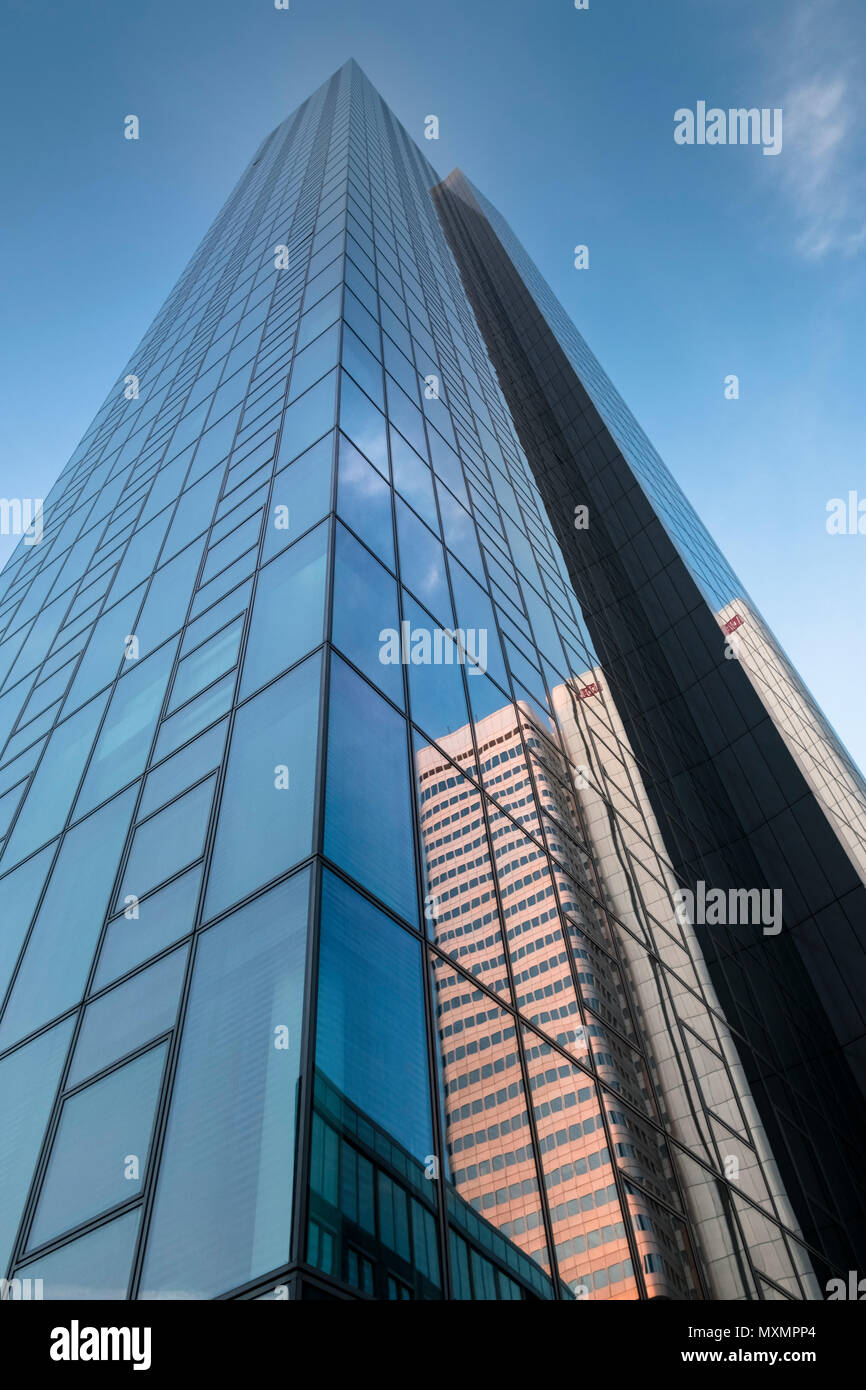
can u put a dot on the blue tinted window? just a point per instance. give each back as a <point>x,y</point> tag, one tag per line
<point>28,1084</point>
<point>224,552</point>
<point>459,531</point>
<point>422,563</point>
<point>140,557</point>
<point>370,1037</point>
<point>44,813</point>
<point>96,1266</point>
<point>308,418</point>
<point>363,423</point>
<point>413,478</point>
<point>34,730</point>
<point>302,496</point>
<point>365,605</point>
<point>152,925</point>
<point>168,841</point>
<point>167,484</point>
<point>195,716</point>
<point>214,444</point>
<point>223,583</point>
<point>265,826</point>
<point>475,612</point>
<point>60,950</point>
<point>288,611</point>
<point>215,618</point>
<point>436,693</point>
<point>312,363</point>
<point>318,318</point>
<point>216,656</point>
<point>19,893</point>
<point>362,321</point>
<point>238,508</point>
<point>189,766</point>
<point>46,693</point>
<point>124,741</point>
<point>447,465</point>
<point>17,768</point>
<point>194,513</point>
<point>364,367</point>
<point>223,1209</point>
<point>322,283</point>
<point>128,1017</point>
<point>167,600</point>
<point>368,827</point>
<point>364,501</point>
<point>102,1130</point>
<point>406,417</point>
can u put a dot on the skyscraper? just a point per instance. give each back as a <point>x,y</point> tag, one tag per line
<point>350,797</point>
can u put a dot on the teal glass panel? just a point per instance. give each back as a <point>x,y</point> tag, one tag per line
<point>99,1155</point>
<point>167,842</point>
<point>95,1266</point>
<point>365,607</point>
<point>265,821</point>
<point>126,1018</point>
<point>49,799</point>
<point>197,715</point>
<point>368,823</point>
<point>288,610</point>
<point>301,497</point>
<point>156,922</point>
<point>370,1036</point>
<point>57,960</point>
<point>205,665</point>
<point>28,1084</point>
<point>222,1213</point>
<point>127,733</point>
<point>19,893</point>
<point>105,650</point>
<point>171,778</point>
<point>364,502</point>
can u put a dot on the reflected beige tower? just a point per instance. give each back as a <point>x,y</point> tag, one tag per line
<point>520,924</point>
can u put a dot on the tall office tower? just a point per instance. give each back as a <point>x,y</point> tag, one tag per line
<point>346,794</point>
<point>749,785</point>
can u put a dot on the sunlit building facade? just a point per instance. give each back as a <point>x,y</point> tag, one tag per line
<point>340,955</point>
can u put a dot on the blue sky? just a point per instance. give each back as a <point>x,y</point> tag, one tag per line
<point>703,261</point>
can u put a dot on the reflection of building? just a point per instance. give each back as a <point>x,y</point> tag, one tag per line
<point>373,1218</point>
<point>528,929</point>
<point>703,1091</point>
<point>748,788</point>
<point>835,781</point>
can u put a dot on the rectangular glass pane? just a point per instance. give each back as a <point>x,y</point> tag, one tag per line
<point>288,610</point>
<point>100,1151</point>
<point>222,1213</point>
<point>167,842</point>
<point>96,1266</point>
<point>128,1017</point>
<point>144,928</point>
<point>59,952</point>
<point>266,815</point>
<point>368,819</point>
<point>28,1083</point>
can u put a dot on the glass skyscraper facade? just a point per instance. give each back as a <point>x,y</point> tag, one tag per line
<point>346,792</point>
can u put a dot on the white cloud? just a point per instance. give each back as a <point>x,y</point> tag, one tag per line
<point>824,107</point>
